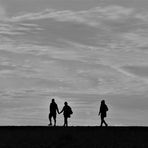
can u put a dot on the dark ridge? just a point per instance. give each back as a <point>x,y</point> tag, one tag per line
<point>73,137</point>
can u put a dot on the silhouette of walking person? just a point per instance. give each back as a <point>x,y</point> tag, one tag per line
<point>67,111</point>
<point>53,108</point>
<point>103,112</point>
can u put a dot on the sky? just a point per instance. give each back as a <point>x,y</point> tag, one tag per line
<point>79,51</point>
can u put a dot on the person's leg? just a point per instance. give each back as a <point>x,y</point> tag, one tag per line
<point>101,121</point>
<point>105,123</point>
<point>54,118</point>
<point>50,116</point>
<point>64,121</point>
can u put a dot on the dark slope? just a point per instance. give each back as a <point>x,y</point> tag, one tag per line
<point>73,137</point>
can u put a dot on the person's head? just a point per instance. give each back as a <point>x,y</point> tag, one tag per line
<point>103,102</point>
<point>52,100</point>
<point>65,103</point>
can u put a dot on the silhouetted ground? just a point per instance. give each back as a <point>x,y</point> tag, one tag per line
<point>73,137</point>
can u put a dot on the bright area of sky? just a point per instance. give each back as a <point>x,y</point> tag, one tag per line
<point>79,51</point>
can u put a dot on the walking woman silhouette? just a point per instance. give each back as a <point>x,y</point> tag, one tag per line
<point>103,112</point>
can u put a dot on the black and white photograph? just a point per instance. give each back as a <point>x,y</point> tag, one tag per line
<point>74,73</point>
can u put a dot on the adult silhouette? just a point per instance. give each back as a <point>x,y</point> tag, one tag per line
<point>67,111</point>
<point>53,108</point>
<point>103,112</point>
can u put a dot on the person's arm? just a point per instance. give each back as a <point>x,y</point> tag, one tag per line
<point>99,112</point>
<point>49,107</point>
<point>106,108</point>
<point>58,110</point>
<point>61,111</point>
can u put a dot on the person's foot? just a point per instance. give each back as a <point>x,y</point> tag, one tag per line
<point>50,124</point>
<point>106,125</point>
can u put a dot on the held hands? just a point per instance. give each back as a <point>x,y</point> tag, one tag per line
<point>59,112</point>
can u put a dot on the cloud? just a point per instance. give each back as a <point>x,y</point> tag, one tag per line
<point>112,12</point>
<point>17,29</point>
<point>62,16</point>
<point>77,67</point>
<point>109,20</point>
<point>90,17</point>
<point>140,71</point>
<point>68,70</point>
<point>136,39</point>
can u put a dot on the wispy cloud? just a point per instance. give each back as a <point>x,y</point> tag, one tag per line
<point>17,29</point>
<point>78,56</point>
<point>77,67</point>
<point>114,19</point>
<point>90,16</point>
<point>112,12</point>
<point>68,70</point>
<point>138,70</point>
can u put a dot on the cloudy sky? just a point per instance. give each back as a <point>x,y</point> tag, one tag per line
<point>80,51</point>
